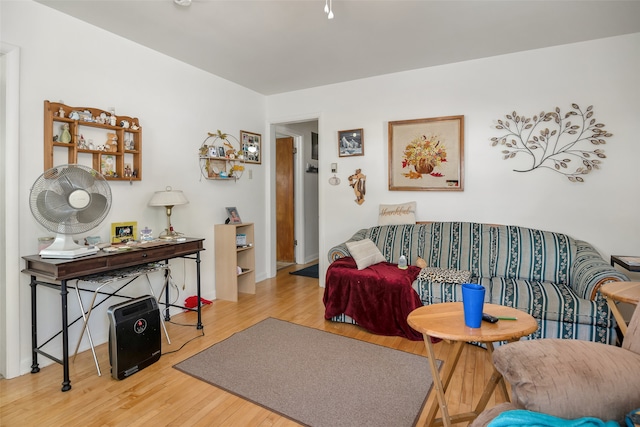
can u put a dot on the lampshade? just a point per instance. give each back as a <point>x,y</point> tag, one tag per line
<point>168,197</point>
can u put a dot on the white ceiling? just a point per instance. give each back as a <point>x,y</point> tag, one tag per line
<point>278,46</point>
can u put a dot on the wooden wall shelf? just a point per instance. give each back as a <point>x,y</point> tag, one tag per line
<point>88,136</point>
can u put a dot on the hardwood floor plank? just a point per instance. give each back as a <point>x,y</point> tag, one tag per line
<point>163,396</point>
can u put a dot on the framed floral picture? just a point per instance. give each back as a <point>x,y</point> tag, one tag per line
<point>251,144</point>
<point>350,143</point>
<point>427,154</point>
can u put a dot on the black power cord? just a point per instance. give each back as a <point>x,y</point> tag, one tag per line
<point>187,342</point>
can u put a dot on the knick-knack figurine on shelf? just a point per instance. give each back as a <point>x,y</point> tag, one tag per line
<point>66,135</point>
<point>112,143</point>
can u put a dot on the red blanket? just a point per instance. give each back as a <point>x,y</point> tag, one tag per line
<point>379,298</point>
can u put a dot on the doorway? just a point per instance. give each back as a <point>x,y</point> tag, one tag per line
<point>303,192</point>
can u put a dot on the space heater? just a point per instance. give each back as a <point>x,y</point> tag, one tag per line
<point>134,336</point>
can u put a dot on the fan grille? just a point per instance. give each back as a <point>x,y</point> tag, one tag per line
<point>70,199</point>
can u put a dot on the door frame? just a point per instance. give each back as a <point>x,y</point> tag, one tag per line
<point>269,158</point>
<point>10,261</point>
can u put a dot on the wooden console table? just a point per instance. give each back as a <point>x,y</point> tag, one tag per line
<point>629,263</point>
<point>53,271</point>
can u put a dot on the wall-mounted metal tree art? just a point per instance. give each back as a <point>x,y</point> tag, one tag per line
<point>555,141</point>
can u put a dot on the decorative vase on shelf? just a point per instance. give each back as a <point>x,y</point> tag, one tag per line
<point>66,135</point>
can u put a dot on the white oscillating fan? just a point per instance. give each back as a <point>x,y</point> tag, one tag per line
<point>67,200</point>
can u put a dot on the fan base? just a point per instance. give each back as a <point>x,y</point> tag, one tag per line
<point>69,253</point>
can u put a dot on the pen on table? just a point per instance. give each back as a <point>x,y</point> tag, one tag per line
<point>507,318</point>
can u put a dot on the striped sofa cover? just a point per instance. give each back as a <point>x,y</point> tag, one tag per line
<point>549,275</point>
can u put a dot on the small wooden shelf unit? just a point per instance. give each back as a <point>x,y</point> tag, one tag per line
<point>128,151</point>
<point>229,257</point>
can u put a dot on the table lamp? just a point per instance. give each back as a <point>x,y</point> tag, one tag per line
<point>168,198</point>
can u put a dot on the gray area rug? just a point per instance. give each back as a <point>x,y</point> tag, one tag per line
<point>316,378</point>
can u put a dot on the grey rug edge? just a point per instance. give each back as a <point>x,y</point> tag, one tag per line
<point>246,398</point>
<point>175,366</point>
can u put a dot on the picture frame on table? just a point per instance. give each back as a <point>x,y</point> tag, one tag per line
<point>426,154</point>
<point>123,232</point>
<point>251,146</point>
<point>351,143</point>
<point>233,216</point>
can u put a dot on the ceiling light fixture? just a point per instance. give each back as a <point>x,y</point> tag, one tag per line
<point>327,8</point>
<point>184,3</point>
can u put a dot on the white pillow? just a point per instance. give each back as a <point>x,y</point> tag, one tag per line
<point>404,213</point>
<point>365,253</point>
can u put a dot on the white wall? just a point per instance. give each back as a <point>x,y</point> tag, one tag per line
<point>65,59</point>
<point>603,73</point>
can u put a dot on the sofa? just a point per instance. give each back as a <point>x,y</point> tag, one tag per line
<point>549,275</point>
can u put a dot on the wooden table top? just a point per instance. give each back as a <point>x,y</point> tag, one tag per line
<point>622,291</point>
<point>446,321</point>
<point>66,269</point>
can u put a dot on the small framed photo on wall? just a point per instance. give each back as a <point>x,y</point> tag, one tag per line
<point>351,143</point>
<point>314,146</point>
<point>251,146</point>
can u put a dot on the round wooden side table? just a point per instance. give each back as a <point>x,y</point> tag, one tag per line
<point>615,292</point>
<point>446,321</point>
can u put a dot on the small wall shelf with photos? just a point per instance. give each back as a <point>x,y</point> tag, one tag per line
<point>221,157</point>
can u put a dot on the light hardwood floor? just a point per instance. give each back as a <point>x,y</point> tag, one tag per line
<point>162,396</point>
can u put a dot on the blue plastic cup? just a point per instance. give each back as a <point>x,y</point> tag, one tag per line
<point>473,303</point>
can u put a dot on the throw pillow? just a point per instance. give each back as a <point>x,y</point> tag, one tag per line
<point>444,275</point>
<point>365,253</point>
<point>404,213</point>
<point>571,378</point>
